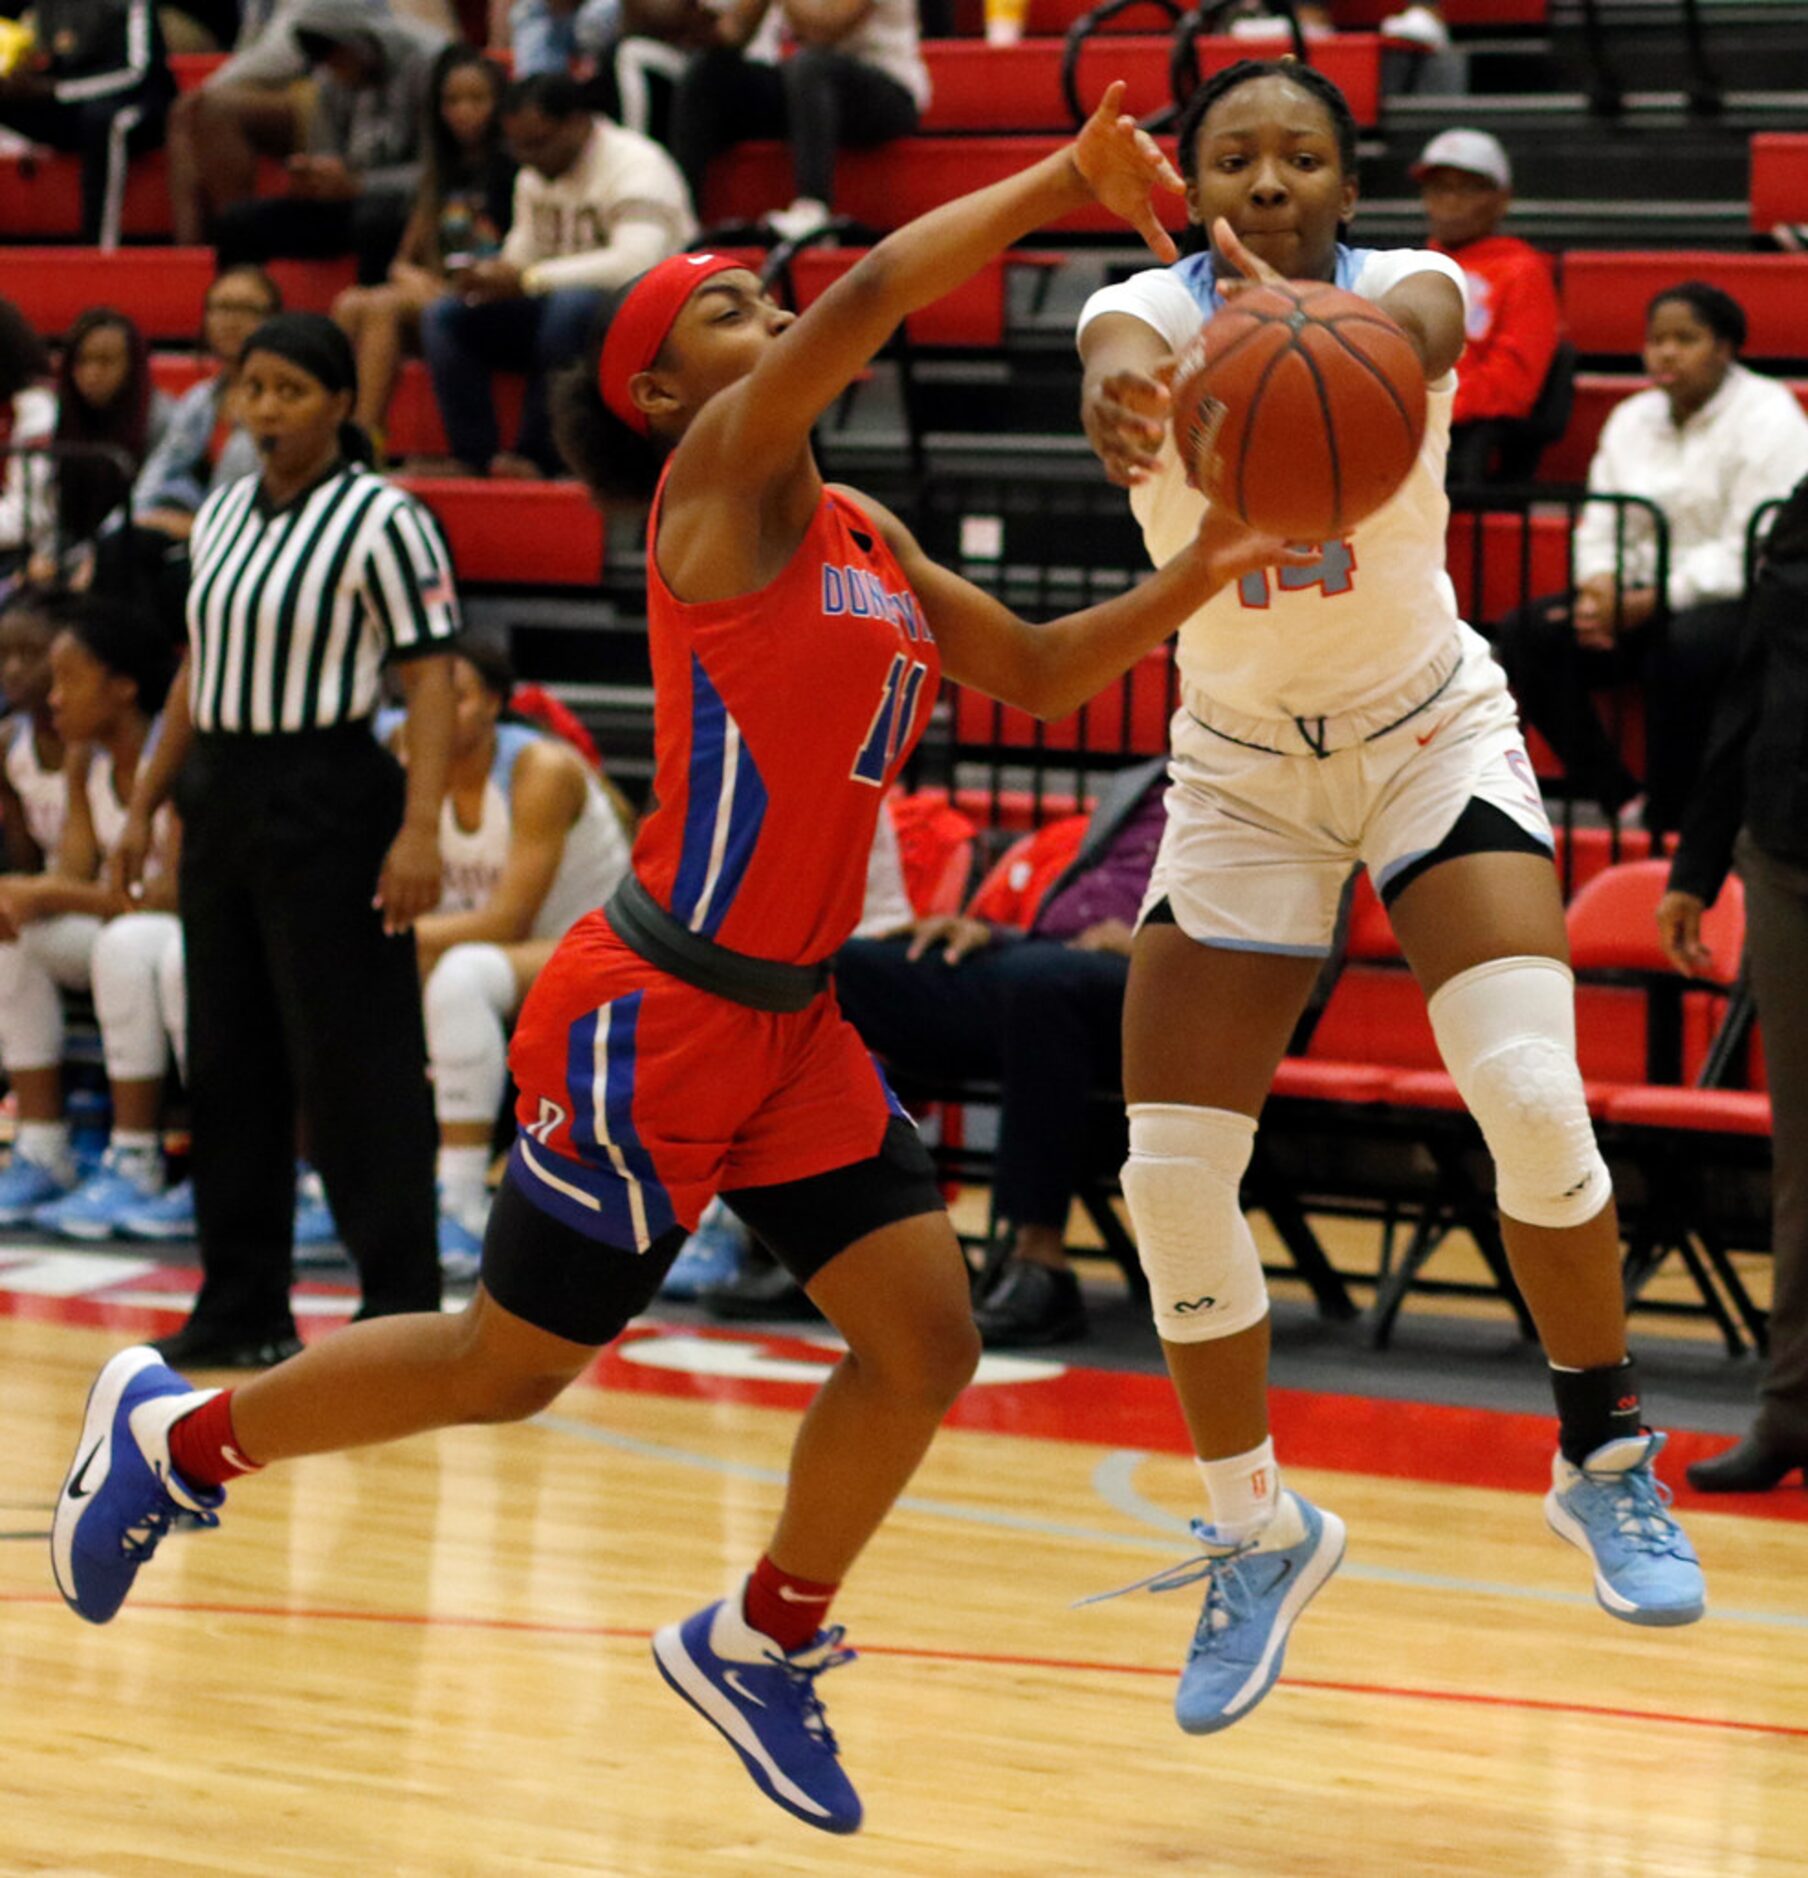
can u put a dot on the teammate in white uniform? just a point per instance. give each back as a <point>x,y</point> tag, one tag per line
<point>108,679</point>
<point>530,841</point>
<point>1333,716</point>
<point>31,753</point>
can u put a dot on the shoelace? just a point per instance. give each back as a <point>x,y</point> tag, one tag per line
<point>1227,1598</point>
<point>138,1542</point>
<point>825,1654</point>
<point>1640,1503</point>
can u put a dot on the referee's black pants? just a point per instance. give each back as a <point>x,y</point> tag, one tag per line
<point>297,998</point>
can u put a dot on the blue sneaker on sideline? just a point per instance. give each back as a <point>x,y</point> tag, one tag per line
<point>765,1703</point>
<point>713,1255</point>
<point>24,1187</point>
<point>121,1494</point>
<point>316,1231</point>
<point>171,1215</point>
<point>1614,1508</point>
<point>460,1251</point>
<point>96,1209</point>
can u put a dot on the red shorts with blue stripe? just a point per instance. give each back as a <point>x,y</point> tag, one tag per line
<point>642,1098</point>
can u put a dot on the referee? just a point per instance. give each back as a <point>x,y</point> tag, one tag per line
<point>307,855</point>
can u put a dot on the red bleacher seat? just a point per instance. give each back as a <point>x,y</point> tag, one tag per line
<point>1349,13</point>
<point>1499,561</point>
<point>1779,179</point>
<point>1567,460</point>
<point>972,315</point>
<point>525,532</point>
<point>1605,296</point>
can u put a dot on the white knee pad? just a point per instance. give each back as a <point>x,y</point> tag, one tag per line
<point>31,1012</point>
<point>470,993</point>
<point>1181,1184</point>
<point>172,995</point>
<point>1507,1031</point>
<point>128,997</point>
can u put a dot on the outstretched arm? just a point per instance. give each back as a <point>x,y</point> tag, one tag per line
<point>1053,669</point>
<point>751,433</point>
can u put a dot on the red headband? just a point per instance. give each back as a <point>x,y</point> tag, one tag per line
<point>641,323</point>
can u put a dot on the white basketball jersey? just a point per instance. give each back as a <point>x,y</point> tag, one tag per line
<point>595,857</point>
<point>42,793</point>
<point>1306,641</point>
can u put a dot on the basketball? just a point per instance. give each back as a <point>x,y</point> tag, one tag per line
<point>1301,407</point>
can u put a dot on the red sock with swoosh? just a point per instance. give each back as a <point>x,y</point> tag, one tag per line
<point>204,1450</point>
<point>788,1610</point>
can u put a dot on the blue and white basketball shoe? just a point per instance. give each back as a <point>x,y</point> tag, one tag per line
<point>764,1702</point>
<point>460,1250</point>
<point>1614,1508</point>
<point>171,1215</point>
<point>97,1209</point>
<point>715,1254</point>
<point>121,1495</point>
<point>25,1186</point>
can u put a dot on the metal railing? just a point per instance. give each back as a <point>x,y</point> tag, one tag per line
<point>1083,29</point>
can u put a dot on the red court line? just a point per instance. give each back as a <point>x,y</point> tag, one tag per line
<point>983,1659</point>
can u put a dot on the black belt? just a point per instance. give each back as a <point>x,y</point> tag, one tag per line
<point>645,927</point>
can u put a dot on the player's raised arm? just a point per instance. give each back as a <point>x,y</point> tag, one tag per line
<point>754,431</point>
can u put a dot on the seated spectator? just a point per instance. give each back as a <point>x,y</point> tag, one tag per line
<point>1035,1006</point>
<point>32,790</point>
<point>594,206</point>
<point>1706,444</point>
<point>1513,325</point>
<point>27,416</point>
<point>854,78</point>
<point>459,218</point>
<point>108,679</point>
<point>98,84</point>
<point>105,402</point>
<point>530,843</point>
<point>352,189</point>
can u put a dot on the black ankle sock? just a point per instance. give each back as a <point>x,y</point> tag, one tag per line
<point>1595,1406</point>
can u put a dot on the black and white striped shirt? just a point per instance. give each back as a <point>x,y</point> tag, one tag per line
<point>292,612</point>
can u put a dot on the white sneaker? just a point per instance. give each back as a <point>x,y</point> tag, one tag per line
<point>1276,26</point>
<point>804,217</point>
<point>1420,25</point>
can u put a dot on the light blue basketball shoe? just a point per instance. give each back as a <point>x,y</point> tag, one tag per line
<point>171,1215</point>
<point>98,1208</point>
<point>765,1705</point>
<point>1254,1592</point>
<point>1614,1508</point>
<point>25,1186</point>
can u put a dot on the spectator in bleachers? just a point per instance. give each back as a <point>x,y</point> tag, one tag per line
<point>531,842</point>
<point>594,206</point>
<point>108,680</point>
<point>1750,811</point>
<point>98,84</point>
<point>822,75</point>
<point>105,402</point>
<point>32,793</point>
<point>553,35</point>
<point>1512,326</point>
<point>1038,1008</point>
<point>27,416</point>
<point>460,217</point>
<point>1706,444</point>
<point>351,190</point>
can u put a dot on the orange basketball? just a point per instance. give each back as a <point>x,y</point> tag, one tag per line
<point>1301,407</point>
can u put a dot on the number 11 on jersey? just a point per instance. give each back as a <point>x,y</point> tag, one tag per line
<point>1334,571</point>
<point>891,721</point>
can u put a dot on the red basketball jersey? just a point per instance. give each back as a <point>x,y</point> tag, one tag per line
<point>780,719</point>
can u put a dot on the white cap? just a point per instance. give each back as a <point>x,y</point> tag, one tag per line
<point>1471,150</point>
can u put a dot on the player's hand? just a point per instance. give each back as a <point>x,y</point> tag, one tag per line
<point>409,884</point>
<point>1252,269</point>
<point>1679,932</point>
<point>1126,417</point>
<point>125,867</point>
<point>18,902</point>
<point>955,933</point>
<point>1228,548</point>
<point>490,280</point>
<point>1122,165</point>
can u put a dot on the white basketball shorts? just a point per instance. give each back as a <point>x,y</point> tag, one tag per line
<point>1268,818</point>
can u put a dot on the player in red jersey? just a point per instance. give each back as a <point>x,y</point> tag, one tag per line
<point>685,1040</point>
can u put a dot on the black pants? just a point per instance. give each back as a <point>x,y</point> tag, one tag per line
<point>297,999</point>
<point>1681,664</point>
<point>368,227</point>
<point>1036,1016</point>
<point>105,133</point>
<point>820,100</point>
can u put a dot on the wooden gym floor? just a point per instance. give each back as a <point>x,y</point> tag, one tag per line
<point>432,1659</point>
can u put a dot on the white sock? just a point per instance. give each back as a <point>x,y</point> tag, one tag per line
<point>45,1145</point>
<point>135,1141</point>
<point>463,1183</point>
<point>1244,1498</point>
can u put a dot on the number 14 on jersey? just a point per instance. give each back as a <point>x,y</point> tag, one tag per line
<point>1333,571</point>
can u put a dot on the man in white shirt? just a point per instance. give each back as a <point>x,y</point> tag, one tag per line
<point>1706,445</point>
<point>594,206</point>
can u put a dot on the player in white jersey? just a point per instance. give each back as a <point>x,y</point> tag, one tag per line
<point>530,841</point>
<point>108,678</point>
<point>1334,716</point>
<point>31,753</point>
